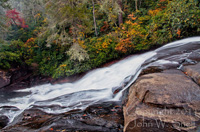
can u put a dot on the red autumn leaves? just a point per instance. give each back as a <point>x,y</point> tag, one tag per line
<point>14,18</point>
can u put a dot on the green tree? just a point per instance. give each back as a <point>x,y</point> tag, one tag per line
<point>68,22</point>
<point>179,19</point>
<point>3,29</point>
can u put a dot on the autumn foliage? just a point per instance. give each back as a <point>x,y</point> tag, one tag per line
<point>14,18</point>
<point>104,27</point>
<point>67,44</point>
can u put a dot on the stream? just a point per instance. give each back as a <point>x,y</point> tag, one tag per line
<point>97,85</point>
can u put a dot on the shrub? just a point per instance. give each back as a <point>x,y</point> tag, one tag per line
<point>179,19</point>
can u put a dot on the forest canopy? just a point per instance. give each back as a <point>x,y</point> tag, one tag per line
<point>66,37</point>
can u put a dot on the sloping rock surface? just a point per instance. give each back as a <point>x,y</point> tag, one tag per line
<point>164,102</point>
<point>195,55</point>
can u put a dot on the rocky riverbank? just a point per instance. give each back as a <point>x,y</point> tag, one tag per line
<point>165,99</point>
<point>19,78</point>
<point>104,117</point>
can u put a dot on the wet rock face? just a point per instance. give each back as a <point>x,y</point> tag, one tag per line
<point>12,76</point>
<point>193,71</point>
<point>17,74</point>
<point>152,69</point>
<point>104,117</point>
<point>3,121</point>
<point>195,55</point>
<point>4,79</point>
<point>168,101</point>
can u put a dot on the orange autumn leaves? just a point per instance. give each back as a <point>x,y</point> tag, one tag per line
<point>129,34</point>
<point>102,44</point>
<point>124,39</point>
<point>29,47</point>
<point>160,7</point>
<point>123,45</point>
<point>30,42</point>
<point>104,27</point>
<point>178,33</point>
<point>154,12</point>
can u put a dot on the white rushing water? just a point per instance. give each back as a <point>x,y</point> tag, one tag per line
<point>95,86</point>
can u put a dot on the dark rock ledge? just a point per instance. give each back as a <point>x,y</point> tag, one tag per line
<point>104,117</point>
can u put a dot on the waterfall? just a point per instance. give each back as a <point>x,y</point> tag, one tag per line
<point>96,85</point>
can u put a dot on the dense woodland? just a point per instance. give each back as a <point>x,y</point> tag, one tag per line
<point>65,37</point>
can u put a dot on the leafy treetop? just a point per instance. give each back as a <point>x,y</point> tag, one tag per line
<point>15,19</point>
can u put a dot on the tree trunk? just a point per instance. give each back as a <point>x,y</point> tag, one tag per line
<point>120,17</point>
<point>136,2</point>
<point>95,24</point>
<point>140,4</point>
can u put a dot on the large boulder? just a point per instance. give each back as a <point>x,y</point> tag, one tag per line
<point>4,79</point>
<point>164,102</point>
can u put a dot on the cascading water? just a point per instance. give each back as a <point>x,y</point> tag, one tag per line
<point>95,86</point>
